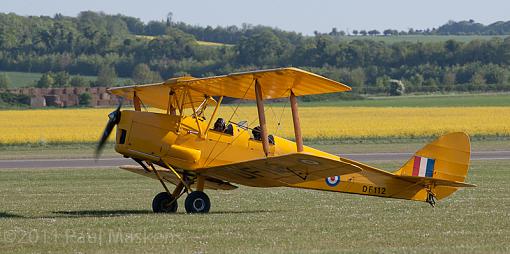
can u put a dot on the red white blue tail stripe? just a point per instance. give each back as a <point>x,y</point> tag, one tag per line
<point>423,167</point>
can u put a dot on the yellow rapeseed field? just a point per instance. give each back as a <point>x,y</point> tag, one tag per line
<point>85,125</point>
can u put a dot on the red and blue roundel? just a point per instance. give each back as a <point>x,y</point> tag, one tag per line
<point>333,181</point>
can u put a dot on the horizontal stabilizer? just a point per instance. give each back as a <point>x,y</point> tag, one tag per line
<point>426,181</point>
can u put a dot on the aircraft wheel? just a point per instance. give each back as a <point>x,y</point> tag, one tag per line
<point>162,203</point>
<point>197,202</point>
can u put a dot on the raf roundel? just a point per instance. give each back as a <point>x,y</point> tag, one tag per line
<point>333,181</point>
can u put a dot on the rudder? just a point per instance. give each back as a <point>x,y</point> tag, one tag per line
<point>446,158</point>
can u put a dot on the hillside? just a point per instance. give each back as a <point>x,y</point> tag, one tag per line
<point>97,44</point>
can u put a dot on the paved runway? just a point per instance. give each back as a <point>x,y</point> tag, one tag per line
<point>113,162</point>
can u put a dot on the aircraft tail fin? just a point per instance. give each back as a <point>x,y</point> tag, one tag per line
<point>443,163</point>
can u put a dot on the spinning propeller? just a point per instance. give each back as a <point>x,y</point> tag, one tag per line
<point>113,119</point>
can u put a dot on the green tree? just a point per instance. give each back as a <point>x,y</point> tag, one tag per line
<point>128,82</point>
<point>106,76</point>
<point>449,79</point>
<point>5,82</point>
<point>381,84</point>
<point>416,80</point>
<point>396,88</point>
<point>84,99</point>
<point>430,85</point>
<point>358,78</point>
<point>262,47</point>
<point>7,37</point>
<point>45,81</point>
<point>79,81</point>
<point>478,82</point>
<point>374,32</point>
<point>143,74</point>
<point>61,79</point>
<point>495,74</point>
<point>14,99</point>
<point>478,79</point>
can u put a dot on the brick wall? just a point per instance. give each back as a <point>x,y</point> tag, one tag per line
<point>65,97</point>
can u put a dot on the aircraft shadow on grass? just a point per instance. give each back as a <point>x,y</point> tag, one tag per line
<point>77,214</point>
<point>100,213</point>
<point>116,213</point>
<point>5,215</point>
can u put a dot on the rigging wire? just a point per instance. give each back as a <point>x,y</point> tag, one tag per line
<point>207,162</point>
<point>281,116</point>
<point>235,138</point>
<point>234,111</point>
<point>283,110</point>
<point>144,107</point>
<point>230,119</point>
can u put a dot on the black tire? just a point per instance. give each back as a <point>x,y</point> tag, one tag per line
<point>197,202</point>
<point>164,203</point>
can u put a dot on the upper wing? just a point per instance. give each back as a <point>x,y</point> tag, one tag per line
<point>281,170</point>
<point>275,83</point>
<point>158,94</point>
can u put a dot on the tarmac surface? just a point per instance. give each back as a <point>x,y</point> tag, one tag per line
<point>114,162</point>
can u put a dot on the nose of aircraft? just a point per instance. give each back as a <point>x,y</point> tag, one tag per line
<point>113,119</point>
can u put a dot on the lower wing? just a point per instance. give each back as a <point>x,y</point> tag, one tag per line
<point>282,170</point>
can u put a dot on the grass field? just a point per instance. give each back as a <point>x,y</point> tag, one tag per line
<point>108,211</point>
<point>213,44</point>
<point>440,100</point>
<point>201,43</point>
<point>29,79</point>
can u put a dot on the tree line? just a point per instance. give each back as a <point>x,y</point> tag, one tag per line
<point>464,27</point>
<point>115,45</point>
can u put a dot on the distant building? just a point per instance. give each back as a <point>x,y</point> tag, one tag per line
<point>65,97</point>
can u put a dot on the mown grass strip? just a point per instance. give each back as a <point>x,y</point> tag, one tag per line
<point>108,210</point>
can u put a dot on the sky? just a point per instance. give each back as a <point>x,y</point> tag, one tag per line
<point>292,15</point>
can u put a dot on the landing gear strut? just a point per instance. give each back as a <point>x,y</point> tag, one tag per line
<point>166,202</point>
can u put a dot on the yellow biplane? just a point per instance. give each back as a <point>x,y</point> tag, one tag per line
<point>190,147</point>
